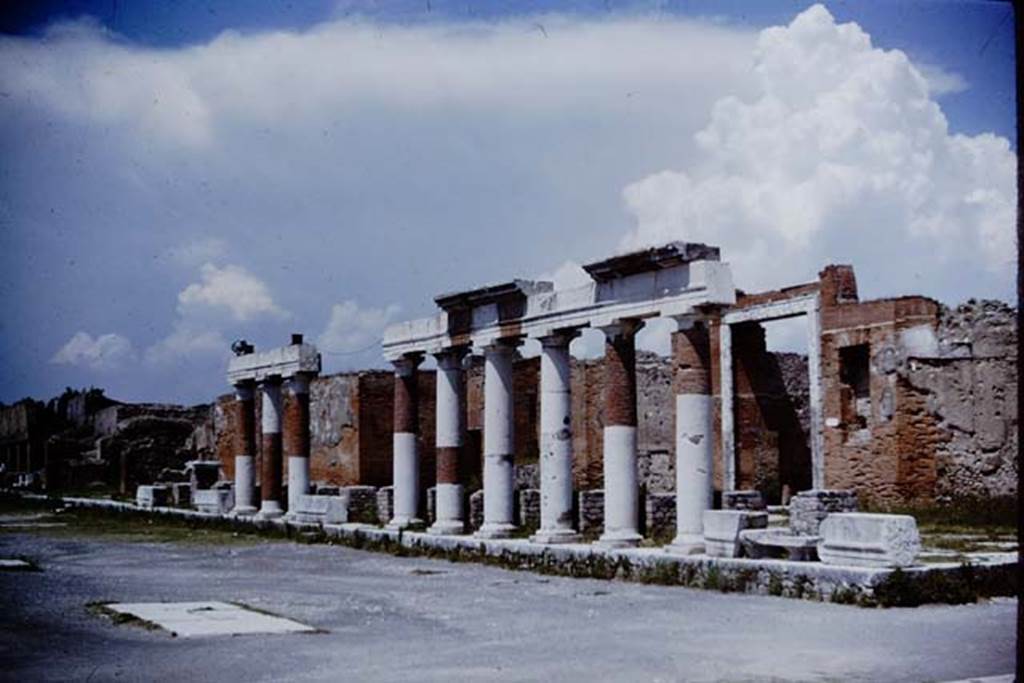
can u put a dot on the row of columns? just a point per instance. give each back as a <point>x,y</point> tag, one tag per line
<point>284,432</point>
<point>621,489</point>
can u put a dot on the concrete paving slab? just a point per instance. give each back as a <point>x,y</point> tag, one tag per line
<point>212,618</point>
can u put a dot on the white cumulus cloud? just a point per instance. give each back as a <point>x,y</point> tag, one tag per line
<point>351,328</point>
<point>104,352</point>
<point>231,289</point>
<point>186,341</point>
<point>843,155</point>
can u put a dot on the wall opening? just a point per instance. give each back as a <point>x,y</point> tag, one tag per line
<point>855,386</point>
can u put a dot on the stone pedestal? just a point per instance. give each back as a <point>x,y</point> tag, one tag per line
<point>499,505</point>
<point>722,530</point>
<point>858,539</point>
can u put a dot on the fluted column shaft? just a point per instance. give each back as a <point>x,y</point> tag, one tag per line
<point>245,449</point>
<point>499,446</point>
<point>450,510</point>
<point>270,485</point>
<point>296,438</point>
<point>406,463</point>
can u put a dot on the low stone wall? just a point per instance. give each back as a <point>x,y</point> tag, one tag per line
<point>660,512</point>
<point>951,583</point>
<point>591,510</point>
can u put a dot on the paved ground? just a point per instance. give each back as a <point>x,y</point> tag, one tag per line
<point>406,619</point>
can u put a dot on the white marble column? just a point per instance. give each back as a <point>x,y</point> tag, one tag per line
<point>245,450</point>
<point>406,470</point>
<point>621,480</point>
<point>556,518</point>
<point>450,511</point>
<point>270,481</point>
<point>296,438</point>
<point>691,381</point>
<point>499,483</point>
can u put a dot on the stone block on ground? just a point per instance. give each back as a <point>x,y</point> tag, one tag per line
<point>743,500</point>
<point>660,511</point>
<point>153,496</point>
<point>529,508</point>
<point>591,511</point>
<point>385,504</point>
<point>722,530</point>
<point>807,509</point>
<point>362,504</point>
<point>476,509</point>
<point>218,501</point>
<point>780,544</point>
<point>860,539</point>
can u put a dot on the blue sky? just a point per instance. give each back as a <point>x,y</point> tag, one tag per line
<point>178,175</point>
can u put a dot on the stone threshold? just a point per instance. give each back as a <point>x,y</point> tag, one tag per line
<point>993,574</point>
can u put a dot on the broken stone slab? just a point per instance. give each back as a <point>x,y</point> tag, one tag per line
<point>214,501</point>
<point>722,530</point>
<point>861,539</point>
<point>778,543</point>
<point>743,500</point>
<point>153,496</point>
<point>385,503</point>
<point>807,509</point>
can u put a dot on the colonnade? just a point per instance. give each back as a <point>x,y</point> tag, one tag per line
<point>281,377</point>
<point>694,433</point>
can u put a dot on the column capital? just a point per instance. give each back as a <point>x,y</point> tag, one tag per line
<point>623,327</point>
<point>503,344</point>
<point>298,383</point>
<point>561,337</point>
<point>407,364</point>
<point>244,391</point>
<point>451,358</point>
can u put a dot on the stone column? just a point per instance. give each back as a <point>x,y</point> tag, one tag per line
<point>621,491</point>
<point>556,441</point>
<point>691,380</point>
<point>296,438</point>
<point>271,453</point>
<point>450,511</point>
<point>499,483</point>
<point>406,457</point>
<point>245,450</point>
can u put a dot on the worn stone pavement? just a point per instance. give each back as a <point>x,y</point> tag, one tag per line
<point>413,619</point>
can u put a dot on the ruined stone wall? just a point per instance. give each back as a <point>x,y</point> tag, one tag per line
<point>881,445</point>
<point>970,386</point>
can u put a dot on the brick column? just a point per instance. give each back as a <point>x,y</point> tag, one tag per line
<point>296,438</point>
<point>691,382</point>
<point>499,482</point>
<point>406,457</point>
<point>556,441</point>
<point>271,453</point>
<point>245,449</point>
<point>451,515</point>
<point>621,491</point>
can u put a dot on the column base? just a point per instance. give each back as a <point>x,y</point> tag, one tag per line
<point>402,523</point>
<point>686,544</point>
<point>448,527</point>
<point>495,530</point>
<point>271,509</point>
<point>619,539</point>
<point>244,511</point>
<point>553,536</point>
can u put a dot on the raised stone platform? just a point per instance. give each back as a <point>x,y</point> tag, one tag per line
<point>992,574</point>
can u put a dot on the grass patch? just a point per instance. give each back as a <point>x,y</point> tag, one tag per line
<point>103,609</point>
